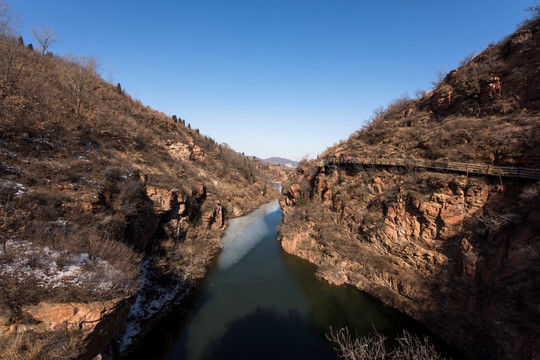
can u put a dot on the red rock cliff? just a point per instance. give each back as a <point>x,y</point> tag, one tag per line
<point>458,254</point>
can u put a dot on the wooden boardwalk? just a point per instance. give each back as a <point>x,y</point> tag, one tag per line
<point>465,168</point>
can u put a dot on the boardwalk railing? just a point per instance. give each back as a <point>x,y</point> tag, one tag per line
<point>489,170</point>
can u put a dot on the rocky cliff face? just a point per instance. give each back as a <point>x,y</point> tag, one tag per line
<point>458,254</point>
<point>177,229</point>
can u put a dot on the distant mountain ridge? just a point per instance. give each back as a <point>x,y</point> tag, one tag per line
<point>280,161</point>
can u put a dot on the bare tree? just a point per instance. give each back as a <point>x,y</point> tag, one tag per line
<point>10,50</point>
<point>74,73</point>
<point>534,10</point>
<point>45,36</point>
<point>8,22</point>
<point>439,77</point>
<point>9,46</point>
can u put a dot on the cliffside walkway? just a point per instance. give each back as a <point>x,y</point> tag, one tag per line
<point>465,168</point>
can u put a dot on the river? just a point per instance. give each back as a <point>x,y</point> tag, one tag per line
<point>258,302</point>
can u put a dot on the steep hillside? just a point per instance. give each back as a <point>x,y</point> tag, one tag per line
<point>459,253</point>
<point>486,111</point>
<point>104,203</point>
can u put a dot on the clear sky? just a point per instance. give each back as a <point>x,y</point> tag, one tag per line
<point>272,77</point>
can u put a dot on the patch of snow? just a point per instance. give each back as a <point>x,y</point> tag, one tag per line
<point>152,298</point>
<point>45,139</point>
<point>55,269</point>
<point>21,189</point>
<point>60,222</point>
<point>9,153</point>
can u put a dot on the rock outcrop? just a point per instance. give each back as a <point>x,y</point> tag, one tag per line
<point>458,254</point>
<point>88,326</point>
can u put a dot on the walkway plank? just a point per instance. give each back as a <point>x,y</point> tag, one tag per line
<point>480,169</point>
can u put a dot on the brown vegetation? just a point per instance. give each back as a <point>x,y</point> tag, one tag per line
<point>78,160</point>
<point>486,111</point>
<point>457,252</point>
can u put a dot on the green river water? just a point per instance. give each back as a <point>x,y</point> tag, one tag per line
<point>258,302</point>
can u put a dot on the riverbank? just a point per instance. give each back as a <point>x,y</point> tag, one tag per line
<point>259,302</point>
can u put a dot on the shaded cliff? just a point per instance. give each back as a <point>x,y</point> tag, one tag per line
<point>459,253</point>
<point>104,203</point>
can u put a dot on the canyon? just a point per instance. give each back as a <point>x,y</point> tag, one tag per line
<point>111,212</point>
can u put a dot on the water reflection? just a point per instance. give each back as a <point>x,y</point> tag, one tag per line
<point>244,233</point>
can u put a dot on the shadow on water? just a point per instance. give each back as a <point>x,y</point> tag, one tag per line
<point>263,303</point>
<point>346,306</point>
<point>267,334</point>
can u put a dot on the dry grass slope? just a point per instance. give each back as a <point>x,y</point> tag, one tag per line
<point>77,157</point>
<point>486,111</point>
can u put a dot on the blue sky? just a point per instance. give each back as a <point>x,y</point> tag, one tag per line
<point>275,77</point>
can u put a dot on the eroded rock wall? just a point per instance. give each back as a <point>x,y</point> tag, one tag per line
<point>459,254</point>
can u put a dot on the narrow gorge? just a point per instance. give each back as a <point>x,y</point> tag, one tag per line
<point>127,233</point>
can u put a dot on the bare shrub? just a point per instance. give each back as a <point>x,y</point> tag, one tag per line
<point>467,58</point>
<point>492,220</point>
<point>411,347</point>
<point>75,73</point>
<point>534,10</point>
<point>8,21</point>
<point>351,347</point>
<point>20,345</point>
<point>372,347</point>
<point>187,259</point>
<point>530,192</point>
<point>10,66</point>
<point>11,220</point>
